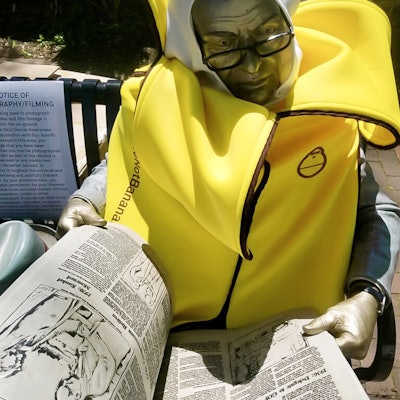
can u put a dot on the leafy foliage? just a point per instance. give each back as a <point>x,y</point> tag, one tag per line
<point>109,37</point>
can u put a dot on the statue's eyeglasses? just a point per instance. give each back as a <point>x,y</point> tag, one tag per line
<point>231,58</point>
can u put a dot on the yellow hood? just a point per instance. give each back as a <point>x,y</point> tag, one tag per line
<point>346,67</point>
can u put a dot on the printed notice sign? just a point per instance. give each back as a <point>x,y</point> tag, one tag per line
<point>36,170</point>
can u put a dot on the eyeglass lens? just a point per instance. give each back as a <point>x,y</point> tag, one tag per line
<point>265,48</point>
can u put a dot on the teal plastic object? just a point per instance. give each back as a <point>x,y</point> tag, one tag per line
<point>20,246</point>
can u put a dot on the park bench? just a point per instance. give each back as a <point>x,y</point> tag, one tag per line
<point>91,106</point>
<point>90,93</point>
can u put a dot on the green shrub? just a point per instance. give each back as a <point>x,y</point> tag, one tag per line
<point>109,37</point>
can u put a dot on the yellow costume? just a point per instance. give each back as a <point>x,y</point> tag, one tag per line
<point>241,203</point>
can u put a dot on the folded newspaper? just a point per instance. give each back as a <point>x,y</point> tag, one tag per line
<point>90,319</point>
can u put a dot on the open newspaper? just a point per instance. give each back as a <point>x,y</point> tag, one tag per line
<point>91,319</point>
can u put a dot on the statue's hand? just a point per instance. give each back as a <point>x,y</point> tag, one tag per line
<point>351,322</point>
<point>78,212</point>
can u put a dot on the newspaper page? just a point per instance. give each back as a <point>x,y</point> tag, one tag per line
<point>89,319</point>
<point>35,154</point>
<point>270,361</point>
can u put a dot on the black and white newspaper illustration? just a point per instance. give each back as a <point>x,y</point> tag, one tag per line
<point>89,319</point>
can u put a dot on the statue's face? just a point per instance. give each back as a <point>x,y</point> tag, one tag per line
<point>225,25</point>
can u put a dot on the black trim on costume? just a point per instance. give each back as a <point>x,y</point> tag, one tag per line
<point>219,322</point>
<point>357,117</point>
<point>254,193</point>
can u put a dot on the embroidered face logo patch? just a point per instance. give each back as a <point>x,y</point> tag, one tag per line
<point>313,163</point>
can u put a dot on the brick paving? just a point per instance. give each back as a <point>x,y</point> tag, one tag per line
<point>386,167</point>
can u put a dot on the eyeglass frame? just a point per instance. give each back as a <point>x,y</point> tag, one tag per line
<point>252,47</point>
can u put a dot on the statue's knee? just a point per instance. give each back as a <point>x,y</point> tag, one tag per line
<point>20,246</point>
